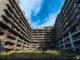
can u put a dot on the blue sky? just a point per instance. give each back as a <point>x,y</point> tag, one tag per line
<point>41,12</point>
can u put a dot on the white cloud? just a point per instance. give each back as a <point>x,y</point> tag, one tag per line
<point>35,24</point>
<point>49,21</point>
<point>37,10</point>
<point>29,5</point>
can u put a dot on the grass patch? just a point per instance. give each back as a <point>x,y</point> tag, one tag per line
<point>36,54</point>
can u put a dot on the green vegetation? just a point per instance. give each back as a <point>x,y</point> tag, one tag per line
<point>36,54</point>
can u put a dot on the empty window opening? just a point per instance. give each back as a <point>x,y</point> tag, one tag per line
<point>9,8</point>
<point>11,3</point>
<point>10,37</point>
<point>18,45</point>
<point>7,13</point>
<point>1,33</point>
<point>9,43</point>
<point>2,25</point>
<point>5,19</point>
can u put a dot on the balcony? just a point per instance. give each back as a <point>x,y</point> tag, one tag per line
<point>19,43</point>
<point>76,46</point>
<point>67,4</point>
<point>77,11</point>
<point>67,42</point>
<point>9,46</point>
<point>76,1</point>
<point>75,31</point>
<point>68,47</point>
<point>76,39</point>
<point>26,49</point>
<point>74,22</point>
<point>66,37</point>
<point>66,30</point>
<point>78,5</point>
<point>68,17</point>
<point>19,48</point>
<point>69,7</point>
<point>61,44</point>
<point>9,40</point>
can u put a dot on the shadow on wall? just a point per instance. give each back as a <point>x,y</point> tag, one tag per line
<point>49,42</point>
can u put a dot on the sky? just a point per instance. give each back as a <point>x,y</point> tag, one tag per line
<point>41,12</point>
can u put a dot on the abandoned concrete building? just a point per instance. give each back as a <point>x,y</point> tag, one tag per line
<point>16,33</point>
<point>67,26</point>
<point>43,37</point>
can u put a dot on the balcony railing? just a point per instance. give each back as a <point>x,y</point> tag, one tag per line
<point>68,17</point>
<point>73,23</point>
<point>10,40</point>
<point>76,38</point>
<point>66,37</point>
<point>75,31</point>
<point>68,47</point>
<point>9,46</point>
<point>67,42</point>
<point>76,46</point>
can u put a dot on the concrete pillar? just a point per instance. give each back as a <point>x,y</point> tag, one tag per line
<point>71,40</point>
<point>63,43</point>
<point>16,42</point>
<point>59,44</point>
<point>6,33</point>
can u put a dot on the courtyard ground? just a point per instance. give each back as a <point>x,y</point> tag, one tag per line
<point>39,54</point>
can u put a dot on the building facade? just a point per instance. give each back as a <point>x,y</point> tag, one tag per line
<point>43,37</point>
<point>15,32</point>
<point>67,25</point>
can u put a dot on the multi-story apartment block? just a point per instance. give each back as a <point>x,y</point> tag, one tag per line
<point>15,32</point>
<point>67,25</point>
<point>43,37</point>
